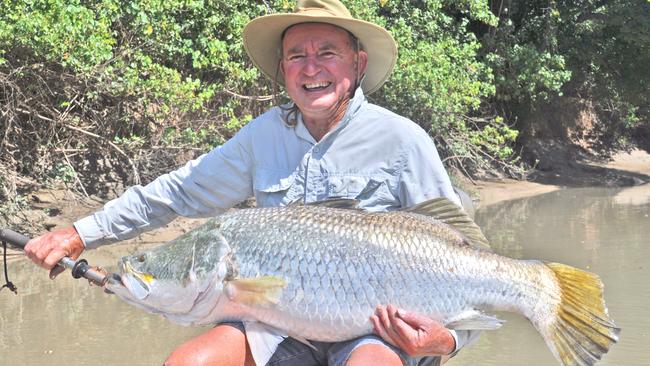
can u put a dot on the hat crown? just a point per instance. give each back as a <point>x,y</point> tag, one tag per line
<point>334,7</point>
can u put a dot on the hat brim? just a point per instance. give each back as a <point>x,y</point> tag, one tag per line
<point>262,37</point>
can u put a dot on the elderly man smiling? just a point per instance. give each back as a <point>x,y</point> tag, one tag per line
<point>329,142</point>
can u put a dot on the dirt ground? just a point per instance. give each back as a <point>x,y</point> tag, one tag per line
<point>624,169</point>
<point>53,208</point>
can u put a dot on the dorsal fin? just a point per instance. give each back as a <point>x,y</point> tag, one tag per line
<point>346,203</point>
<point>449,213</point>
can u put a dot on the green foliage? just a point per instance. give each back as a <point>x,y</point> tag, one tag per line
<point>150,73</point>
<point>523,54</point>
<point>109,79</point>
<point>203,138</point>
<point>438,80</point>
<point>173,54</point>
<point>608,47</point>
<point>66,32</point>
<point>527,75</point>
<point>18,203</point>
<point>63,172</point>
<point>588,50</point>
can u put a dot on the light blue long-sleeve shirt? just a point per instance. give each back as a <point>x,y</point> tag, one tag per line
<point>373,155</point>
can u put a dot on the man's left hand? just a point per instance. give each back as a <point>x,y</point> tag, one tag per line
<point>413,333</point>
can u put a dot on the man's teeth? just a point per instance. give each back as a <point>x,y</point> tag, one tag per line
<point>316,85</point>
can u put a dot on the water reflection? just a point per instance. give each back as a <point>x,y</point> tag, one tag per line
<point>605,231</point>
<point>64,322</point>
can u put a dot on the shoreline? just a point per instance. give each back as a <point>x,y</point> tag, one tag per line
<point>493,192</point>
<point>636,162</point>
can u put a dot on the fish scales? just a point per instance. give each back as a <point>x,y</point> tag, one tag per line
<point>318,273</point>
<point>414,268</point>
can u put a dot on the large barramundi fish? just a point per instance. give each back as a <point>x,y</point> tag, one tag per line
<point>317,272</point>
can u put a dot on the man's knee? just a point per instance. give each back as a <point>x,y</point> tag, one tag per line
<point>222,345</point>
<point>374,354</point>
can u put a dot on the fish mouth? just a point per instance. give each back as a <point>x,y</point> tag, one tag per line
<point>113,281</point>
<point>136,282</point>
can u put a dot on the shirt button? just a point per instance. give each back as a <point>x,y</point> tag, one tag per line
<point>316,150</point>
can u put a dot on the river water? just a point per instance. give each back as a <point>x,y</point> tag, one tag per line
<point>607,231</point>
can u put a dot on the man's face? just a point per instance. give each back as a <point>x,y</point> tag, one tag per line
<point>320,66</point>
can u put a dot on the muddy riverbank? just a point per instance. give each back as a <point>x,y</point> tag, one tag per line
<point>631,168</point>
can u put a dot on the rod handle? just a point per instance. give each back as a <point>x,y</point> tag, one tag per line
<point>79,268</point>
<point>14,238</point>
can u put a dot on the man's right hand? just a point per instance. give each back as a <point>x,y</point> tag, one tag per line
<point>48,249</point>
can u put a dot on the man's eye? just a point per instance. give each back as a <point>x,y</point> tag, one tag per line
<point>295,57</point>
<point>327,54</point>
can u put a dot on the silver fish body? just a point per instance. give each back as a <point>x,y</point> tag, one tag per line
<point>318,273</point>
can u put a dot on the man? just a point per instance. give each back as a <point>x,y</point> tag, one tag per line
<point>329,142</point>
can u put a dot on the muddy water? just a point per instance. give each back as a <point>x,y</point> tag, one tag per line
<point>607,231</point>
<point>68,322</point>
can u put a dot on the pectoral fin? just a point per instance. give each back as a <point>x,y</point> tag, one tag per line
<point>474,320</point>
<point>263,341</point>
<point>255,291</point>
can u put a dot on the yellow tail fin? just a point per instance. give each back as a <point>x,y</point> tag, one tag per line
<point>582,331</point>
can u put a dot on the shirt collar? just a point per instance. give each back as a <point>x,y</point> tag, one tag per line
<point>356,103</point>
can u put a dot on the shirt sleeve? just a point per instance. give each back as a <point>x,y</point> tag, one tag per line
<point>203,187</point>
<point>423,177</point>
<point>463,338</point>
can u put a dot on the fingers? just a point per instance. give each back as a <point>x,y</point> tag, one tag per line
<point>44,252</point>
<point>48,249</point>
<point>53,257</point>
<point>384,317</point>
<point>413,319</point>
<point>413,333</point>
<point>405,336</point>
<point>390,327</point>
<point>403,329</point>
<point>36,251</point>
<point>381,325</point>
<point>379,329</point>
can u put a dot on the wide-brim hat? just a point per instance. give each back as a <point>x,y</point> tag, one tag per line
<point>263,37</point>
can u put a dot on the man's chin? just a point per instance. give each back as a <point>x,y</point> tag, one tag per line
<point>321,103</point>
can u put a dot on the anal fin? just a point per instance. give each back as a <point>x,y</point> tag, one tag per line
<point>474,320</point>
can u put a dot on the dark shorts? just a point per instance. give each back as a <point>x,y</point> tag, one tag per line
<point>295,353</point>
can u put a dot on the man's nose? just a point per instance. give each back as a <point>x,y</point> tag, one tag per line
<point>312,66</point>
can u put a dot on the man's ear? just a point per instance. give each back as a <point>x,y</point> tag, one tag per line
<point>281,67</point>
<point>362,63</point>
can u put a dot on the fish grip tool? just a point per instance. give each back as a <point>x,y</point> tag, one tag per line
<point>79,268</point>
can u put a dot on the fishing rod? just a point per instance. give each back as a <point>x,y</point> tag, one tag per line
<point>79,268</point>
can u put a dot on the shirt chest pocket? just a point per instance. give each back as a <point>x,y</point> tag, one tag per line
<point>273,187</point>
<point>371,191</point>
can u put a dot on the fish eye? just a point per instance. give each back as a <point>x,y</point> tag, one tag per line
<point>141,258</point>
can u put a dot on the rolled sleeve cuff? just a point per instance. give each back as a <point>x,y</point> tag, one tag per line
<point>463,338</point>
<point>90,232</point>
<point>456,342</point>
